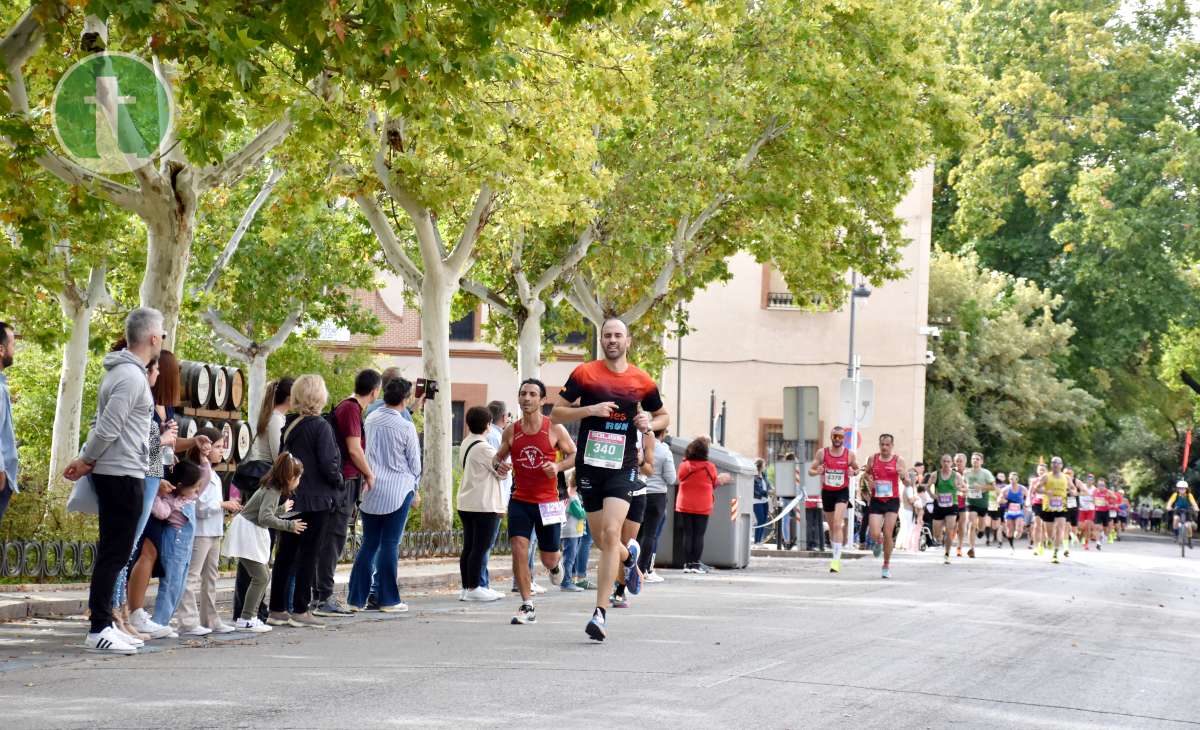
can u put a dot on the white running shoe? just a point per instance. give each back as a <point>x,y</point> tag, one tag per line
<point>141,622</point>
<point>108,641</point>
<point>223,628</point>
<point>556,574</point>
<point>130,639</point>
<point>462,594</point>
<point>197,631</point>
<point>653,577</point>
<point>497,594</point>
<point>535,588</point>
<point>481,595</point>
<point>254,625</point>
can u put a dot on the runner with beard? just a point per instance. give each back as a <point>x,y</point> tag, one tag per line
<point>604,396</point>
<point>835,465</point>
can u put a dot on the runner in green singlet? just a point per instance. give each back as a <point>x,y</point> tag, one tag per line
<point>980,484</point>
<point>946,484</point>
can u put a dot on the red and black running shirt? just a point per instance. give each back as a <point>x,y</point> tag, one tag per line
<point>593,383</point>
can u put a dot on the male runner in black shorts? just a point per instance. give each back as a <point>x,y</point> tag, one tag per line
<point>604,396</point>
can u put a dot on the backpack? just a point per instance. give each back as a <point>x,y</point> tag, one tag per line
<point>331,419</point>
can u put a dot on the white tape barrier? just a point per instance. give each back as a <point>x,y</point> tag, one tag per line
<point>788,508</point>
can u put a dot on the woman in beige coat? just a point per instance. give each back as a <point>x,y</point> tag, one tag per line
<point>481,504</point>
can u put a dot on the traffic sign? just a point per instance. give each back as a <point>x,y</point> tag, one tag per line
<point>866,402</point>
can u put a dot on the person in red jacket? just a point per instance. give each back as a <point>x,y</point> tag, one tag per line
<point>698,479</point>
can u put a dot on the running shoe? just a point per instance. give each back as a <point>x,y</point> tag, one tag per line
<point>701,569</point>
<point>618,601</point>
<point>535,589</point>
<point>689,569</point>
<point>108,641</point>
<point>400,607</point>
<point>971,553</point>
<point>959,553</point>
<point>223,628</point>
<point>835,565</point>
<point>1055,558</point>
<point>1066,553</point>
<point>595,628</point>
<point>462,594</point>
<point>479,595</point>
<point>652,577</point>
<point>877,550</point>
<point>1098,545</point>
<point>525,615</point>
<point>585,584</point>
<point>887,572</point>
<point>196,631</point>
<point>556,574</point>
<point>129,638</point>
<point>633,574</point>
<point>330,607</point>
<point>570,587</point>
<point>946,559</point>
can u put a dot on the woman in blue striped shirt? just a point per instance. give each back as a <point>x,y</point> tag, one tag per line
<point>395,457</point>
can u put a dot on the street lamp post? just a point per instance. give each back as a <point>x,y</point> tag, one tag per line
<point>854,372</point>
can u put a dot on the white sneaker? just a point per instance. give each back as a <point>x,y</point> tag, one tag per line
<point>535,588</point>
<point>197,631</point>
<point>223,628</point>
<point>652,578</point>
<point>556,574</point>
<point>462,594</point>
<point>254,625</point>
<point>131,640</point>
<point>496,595</point>
<point>480,595</point>
<point>108,641</point>
<point>141,621</point>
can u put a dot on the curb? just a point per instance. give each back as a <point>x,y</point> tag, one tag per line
<point>846,554</point>
<point>45,604</point>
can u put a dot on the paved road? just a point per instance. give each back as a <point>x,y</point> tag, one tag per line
<point>1002,641</point>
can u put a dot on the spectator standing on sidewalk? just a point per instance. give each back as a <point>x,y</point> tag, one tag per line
<point>8,441</point>
<point>762,496</point>
<point>499,413</point>
<point>358,476</point>
<point>698,480</point>
<point>395,459</point>
<point>481,505</point>
<point>115,456</point>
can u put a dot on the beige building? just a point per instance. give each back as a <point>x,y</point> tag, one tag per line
<point>749,343</point>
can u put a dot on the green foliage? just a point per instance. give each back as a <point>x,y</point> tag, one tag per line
<point>995,383</point>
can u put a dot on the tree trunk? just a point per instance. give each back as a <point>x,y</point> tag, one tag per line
<point>64,443</point>
<point>257,385</point>
<point>169,250</point>
<point>529,340</point>
<point>437,472</point>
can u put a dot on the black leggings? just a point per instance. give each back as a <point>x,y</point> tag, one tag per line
<point>694,527</point>
<point>656,509</point>
<point>478,531</point>
<point>299,551</point>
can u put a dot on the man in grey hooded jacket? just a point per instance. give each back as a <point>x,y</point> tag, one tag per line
<point>116,455</point>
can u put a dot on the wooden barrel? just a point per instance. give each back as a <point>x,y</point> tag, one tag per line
<point>187,426</point>
<point>220,386</point>
<point>227,435</point>
<point>237,388</point>
<point>242,434</point>
<point>196,384</point>
<point>205,423</point>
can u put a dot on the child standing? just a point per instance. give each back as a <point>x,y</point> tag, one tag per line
<point>206,549</point>
<point>171,530</point>
<point>249,541</point>
<point>572,535</point>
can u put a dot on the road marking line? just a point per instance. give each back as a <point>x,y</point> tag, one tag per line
<point>732,677</point>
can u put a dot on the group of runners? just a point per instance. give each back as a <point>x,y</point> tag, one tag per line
<point>1055,509</point>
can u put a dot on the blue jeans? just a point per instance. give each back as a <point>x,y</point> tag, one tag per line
<point>148,495</point>
<point>584,550</point>
<point>483,579</point>
<point>380,550</point>
<point>761,515</point>
<point>570,548</point>
<point>175,557</point>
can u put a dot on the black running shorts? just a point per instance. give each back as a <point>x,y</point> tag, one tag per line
<point>596,484</point>
<point>831,497</point>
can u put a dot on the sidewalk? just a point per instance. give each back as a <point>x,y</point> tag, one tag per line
<point>70,599</point>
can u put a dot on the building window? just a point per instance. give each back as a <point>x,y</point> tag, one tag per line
<point>458,411</point>
<point>776,295</point>
<point>774,446</point>
<point>464,329</point>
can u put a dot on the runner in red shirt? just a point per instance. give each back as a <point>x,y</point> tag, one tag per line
<point>1100,499</point>
<point>883,473</point>
<point>534,443</point>
<point>835,464</point>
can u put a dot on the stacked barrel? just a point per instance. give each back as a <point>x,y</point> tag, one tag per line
<point>213,396</point>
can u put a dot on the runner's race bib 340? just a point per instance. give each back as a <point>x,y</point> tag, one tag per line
<point>604,450</point>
